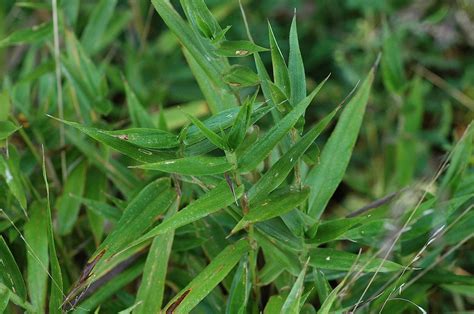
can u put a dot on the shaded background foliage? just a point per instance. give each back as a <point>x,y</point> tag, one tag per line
<point>421,103</point>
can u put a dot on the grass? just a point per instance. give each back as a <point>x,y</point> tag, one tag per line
<point>155,160</point>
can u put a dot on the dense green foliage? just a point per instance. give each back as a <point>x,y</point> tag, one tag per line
<point>154,158</point>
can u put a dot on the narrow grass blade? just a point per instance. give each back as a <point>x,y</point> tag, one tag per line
<point>219,197</point>
<point>7,128</point>
<point>210,134</point>
<point>241,123</point>
<point>146,137</point>
<point>4,299</point>
<point>208,278</point>
<point>238,48</point>
<point>123,146</point>
<point>280,170</point>
<point>28,36</point>
<point>195,165</point>
<point>292,303</point>
<point>240,289</point>
<point>139,116</point>
<point>10,171</point>
<point>296,67</point>
<point>241,76</point>
<point>36,235</point>
<point>336,154</point>
<point>97,24</point>
<point>392,64</point>
<point>324,258</point>
<point>10,274</point>
<point>274,206</point>
<point>264,145</point>
<point>56,294</point>
<point>68,206</point>
<point>280,70</point>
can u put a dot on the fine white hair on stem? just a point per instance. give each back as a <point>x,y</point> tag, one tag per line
<point>59,87</point>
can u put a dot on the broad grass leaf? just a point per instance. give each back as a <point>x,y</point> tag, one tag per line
<point>238,48</point>
<point>7,128</point>
<point>36,235</point>
<point>4,298</point>
<point>121,145</point>
<point>96,26</point>
<point>208,133</point>
<point>325,178</point>
<point>195,165</point>
<point>280,170</point>
<point>296,67</point>
<point>208,278</point>
<point>324,258</point>
<point>264,145</point>
<point>29,35</point>
<point>10,274</point>
<point>10,171</point>
<point>276,205</point>
<point>146,137</point>
<point>274,305</point>
<point>67,206</point>
<point>101,209</point>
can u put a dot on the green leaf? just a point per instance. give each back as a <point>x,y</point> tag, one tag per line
<point>280,170</point>
<point>97,24</point>
<point>56,285</point>
<point>146,138</point>
<point>210,134</point>
<point>207,279</point>
<point>139,216</point>
<point>264,145</point>
<point>238,48</point>
<point>280,71</point>
<point>100,208</point>
<point>139,116</point>
<point>201,18</point>
<point>68,206</point>
<point>28,36</point>
<point>276,205</point>
<point>4,299</point>
<point>296,67</point>
<point>274,305</point>
<point>195,165</point>
<point>241,123</point>
<point>325,178</point>
<point>10,274</point>
<point>152,287</point>
<point>7,128</point>
<point>36,235</point>
<point>9,169</point>
<point>324,258</point>
<point>123,146</point>
<point>241,76</point>
<point>392,64</point>
<point>293,301</point>
<point>219,197</point>
<point>240,289</point>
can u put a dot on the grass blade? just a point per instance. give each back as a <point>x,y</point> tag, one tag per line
<point>208,278</point>
<point>7,128</point>
<point>97,24</point>
<point>10,274</point>
<point>195,165</point>
<point>336,154</point>
<point>293,301</point>
<point>280,70</point>
<point>296,67</point>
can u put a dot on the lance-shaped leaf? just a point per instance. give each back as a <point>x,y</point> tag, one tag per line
<point>324,258</point>
<point>36,235</point>
<point>274,206</point>
<point>194,165</point>
<point>238,48</point>
<point>264,145</point>
<point>336,154</point>
<point>206,280</point>
<point>280,71</point>
<point>219,197</point>
<point>10,171</point>
<point>139,215</point>
<point>296,67</point>
<point>210,134</point>
<point>29,35</point>
<point>240,289</point>
<point>126,148</point>
<point>280,170</point>
<point>7,128</point>
<point>241,76</point>
<point>97,24</point>
<point>392,64</point>
<point>10,274</point>
<point>140,118</point>
<point>241,123</point>
<point>146,138</point>
<point>293,301</point>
